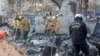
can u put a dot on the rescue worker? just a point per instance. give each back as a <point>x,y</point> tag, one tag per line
<point>57,27</point>
<point>52,27</point>
<point>16,26</point>
<point>25,27</point>
<point>52,24</point>
<point>78,33</point>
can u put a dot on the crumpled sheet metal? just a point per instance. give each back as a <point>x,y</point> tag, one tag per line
<point>10,49</point>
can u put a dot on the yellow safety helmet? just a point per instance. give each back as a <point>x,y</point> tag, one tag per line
<point>54,17</point>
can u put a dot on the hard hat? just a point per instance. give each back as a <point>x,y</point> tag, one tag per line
<point>54,17</point>
<point>79,15</point>
<point>2,35</point>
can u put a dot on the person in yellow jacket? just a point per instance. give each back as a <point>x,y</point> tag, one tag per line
<point>57,27</point>
<point>57,23</point>
<point>25,27</point>
<point>16,26</point>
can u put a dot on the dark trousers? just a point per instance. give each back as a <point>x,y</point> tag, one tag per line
<point>17,34</point>
<point>52,32</point>
<point>25,35</point>
<point>83,47</point>
<point>58,41</point>
<point>46,32</point>
<point>49,32</point>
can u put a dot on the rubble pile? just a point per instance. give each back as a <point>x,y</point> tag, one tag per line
<point>10,49</point>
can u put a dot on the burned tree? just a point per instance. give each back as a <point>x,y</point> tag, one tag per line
<point>58,3</point>
<point>73,6</point>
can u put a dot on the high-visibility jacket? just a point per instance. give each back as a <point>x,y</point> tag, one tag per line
<point>57,28</point>
<point>25,25</point>
<point>16,24</point>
